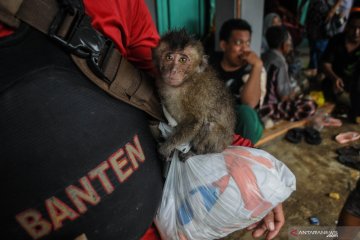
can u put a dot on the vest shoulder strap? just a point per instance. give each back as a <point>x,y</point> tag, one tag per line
<point>94,54</point>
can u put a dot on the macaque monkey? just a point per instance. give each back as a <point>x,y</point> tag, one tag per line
<point>193,95</point>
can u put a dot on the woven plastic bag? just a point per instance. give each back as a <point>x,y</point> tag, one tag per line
<point>210,196</point>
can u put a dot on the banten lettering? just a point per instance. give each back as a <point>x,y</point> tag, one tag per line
<point>59,213</point>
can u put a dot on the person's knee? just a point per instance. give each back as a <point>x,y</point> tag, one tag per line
<point>248,123</point>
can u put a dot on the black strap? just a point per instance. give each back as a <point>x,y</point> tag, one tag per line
<point>94,53</point>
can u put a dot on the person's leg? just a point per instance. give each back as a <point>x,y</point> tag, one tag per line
<point>347,219</point>
<point>355,98</point>
<point>350,214</point>
<point>248,123</point>
<point>320,46</point>
<point>312,54</point>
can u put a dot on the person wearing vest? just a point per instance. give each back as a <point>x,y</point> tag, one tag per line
<point>341,64</point>
<point>77,161</point>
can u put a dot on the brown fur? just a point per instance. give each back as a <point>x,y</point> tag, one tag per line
<point>197,100</point>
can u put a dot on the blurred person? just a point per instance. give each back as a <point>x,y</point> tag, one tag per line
<point>243,73</point>
<point>341,62</point>
<point>270,20</point>
<point>283,99</point>
<point>319,14</point>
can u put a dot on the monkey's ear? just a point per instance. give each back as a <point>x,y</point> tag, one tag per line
<point>203,63</point>
<point>157,52</point>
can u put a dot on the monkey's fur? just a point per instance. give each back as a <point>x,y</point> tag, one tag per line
<point>193,95</point>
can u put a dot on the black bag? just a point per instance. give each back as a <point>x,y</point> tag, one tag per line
<point>74,160</point>
<point>335,25</point>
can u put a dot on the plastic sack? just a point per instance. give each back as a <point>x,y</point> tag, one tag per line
<point>318,97</point>
<point>210,196</point>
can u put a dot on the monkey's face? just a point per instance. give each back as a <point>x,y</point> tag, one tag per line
<point>176,67</point>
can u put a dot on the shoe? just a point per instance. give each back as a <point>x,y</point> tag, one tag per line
<point>350,161</point>
<point>312,136</point>
<point>294,135</point>
<point>347,137</point>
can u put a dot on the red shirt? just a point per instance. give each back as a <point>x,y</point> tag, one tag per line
<point>128,23</point>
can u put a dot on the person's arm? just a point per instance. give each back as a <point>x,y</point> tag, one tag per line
<point>144,37</point>
<point>129,24</point>
<point>333,9</point>
<point>283,88</point>
<point>270,225</point>
<point>250,93</point>
<point>327,64</point>
<point>337,81</point>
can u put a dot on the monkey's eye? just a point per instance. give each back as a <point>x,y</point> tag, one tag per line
<point>183,60</point>
<point>169,57</point>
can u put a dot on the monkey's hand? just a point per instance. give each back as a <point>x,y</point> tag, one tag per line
<point>165,150</point>
<point>185,156</point>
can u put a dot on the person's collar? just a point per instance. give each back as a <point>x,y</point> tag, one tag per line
<point>279,53</point>
<point>227,68</point>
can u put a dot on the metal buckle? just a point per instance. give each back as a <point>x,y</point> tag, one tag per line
<point>82,39</point>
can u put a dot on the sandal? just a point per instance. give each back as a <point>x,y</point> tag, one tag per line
<point>332,122</point>
<point>350,161</point>
<point>312,136</point>
<point>325,121</point>
<point>294,135</point>
<point>349,150</point>
<point>347,137</point>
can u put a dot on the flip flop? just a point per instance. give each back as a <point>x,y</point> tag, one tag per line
<point>332,122</point>
<point>350,161</point>
<point>347,137</point>
<point>294,135</point>
<point>349,150</point>
<point>325,121</point>
<point>312,136</point>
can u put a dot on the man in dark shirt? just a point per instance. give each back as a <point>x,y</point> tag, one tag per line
<point>342,58</point>
<point>242,71</point>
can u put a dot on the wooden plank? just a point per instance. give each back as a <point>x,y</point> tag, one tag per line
<point>281,127</point>
<point>278,130</point>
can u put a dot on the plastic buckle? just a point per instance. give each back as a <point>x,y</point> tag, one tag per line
<point>82,39</point>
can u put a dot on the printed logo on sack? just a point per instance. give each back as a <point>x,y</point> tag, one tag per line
<point>208,195</point>
<point>78,197</point>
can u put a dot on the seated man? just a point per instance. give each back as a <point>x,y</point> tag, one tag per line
<point>341,60</point>
<point>242,71</point>
<point>282,100</point>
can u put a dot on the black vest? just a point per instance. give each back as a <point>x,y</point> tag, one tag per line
<point>73,159</point>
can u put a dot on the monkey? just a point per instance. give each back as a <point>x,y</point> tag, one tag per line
<point>193,95</point>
